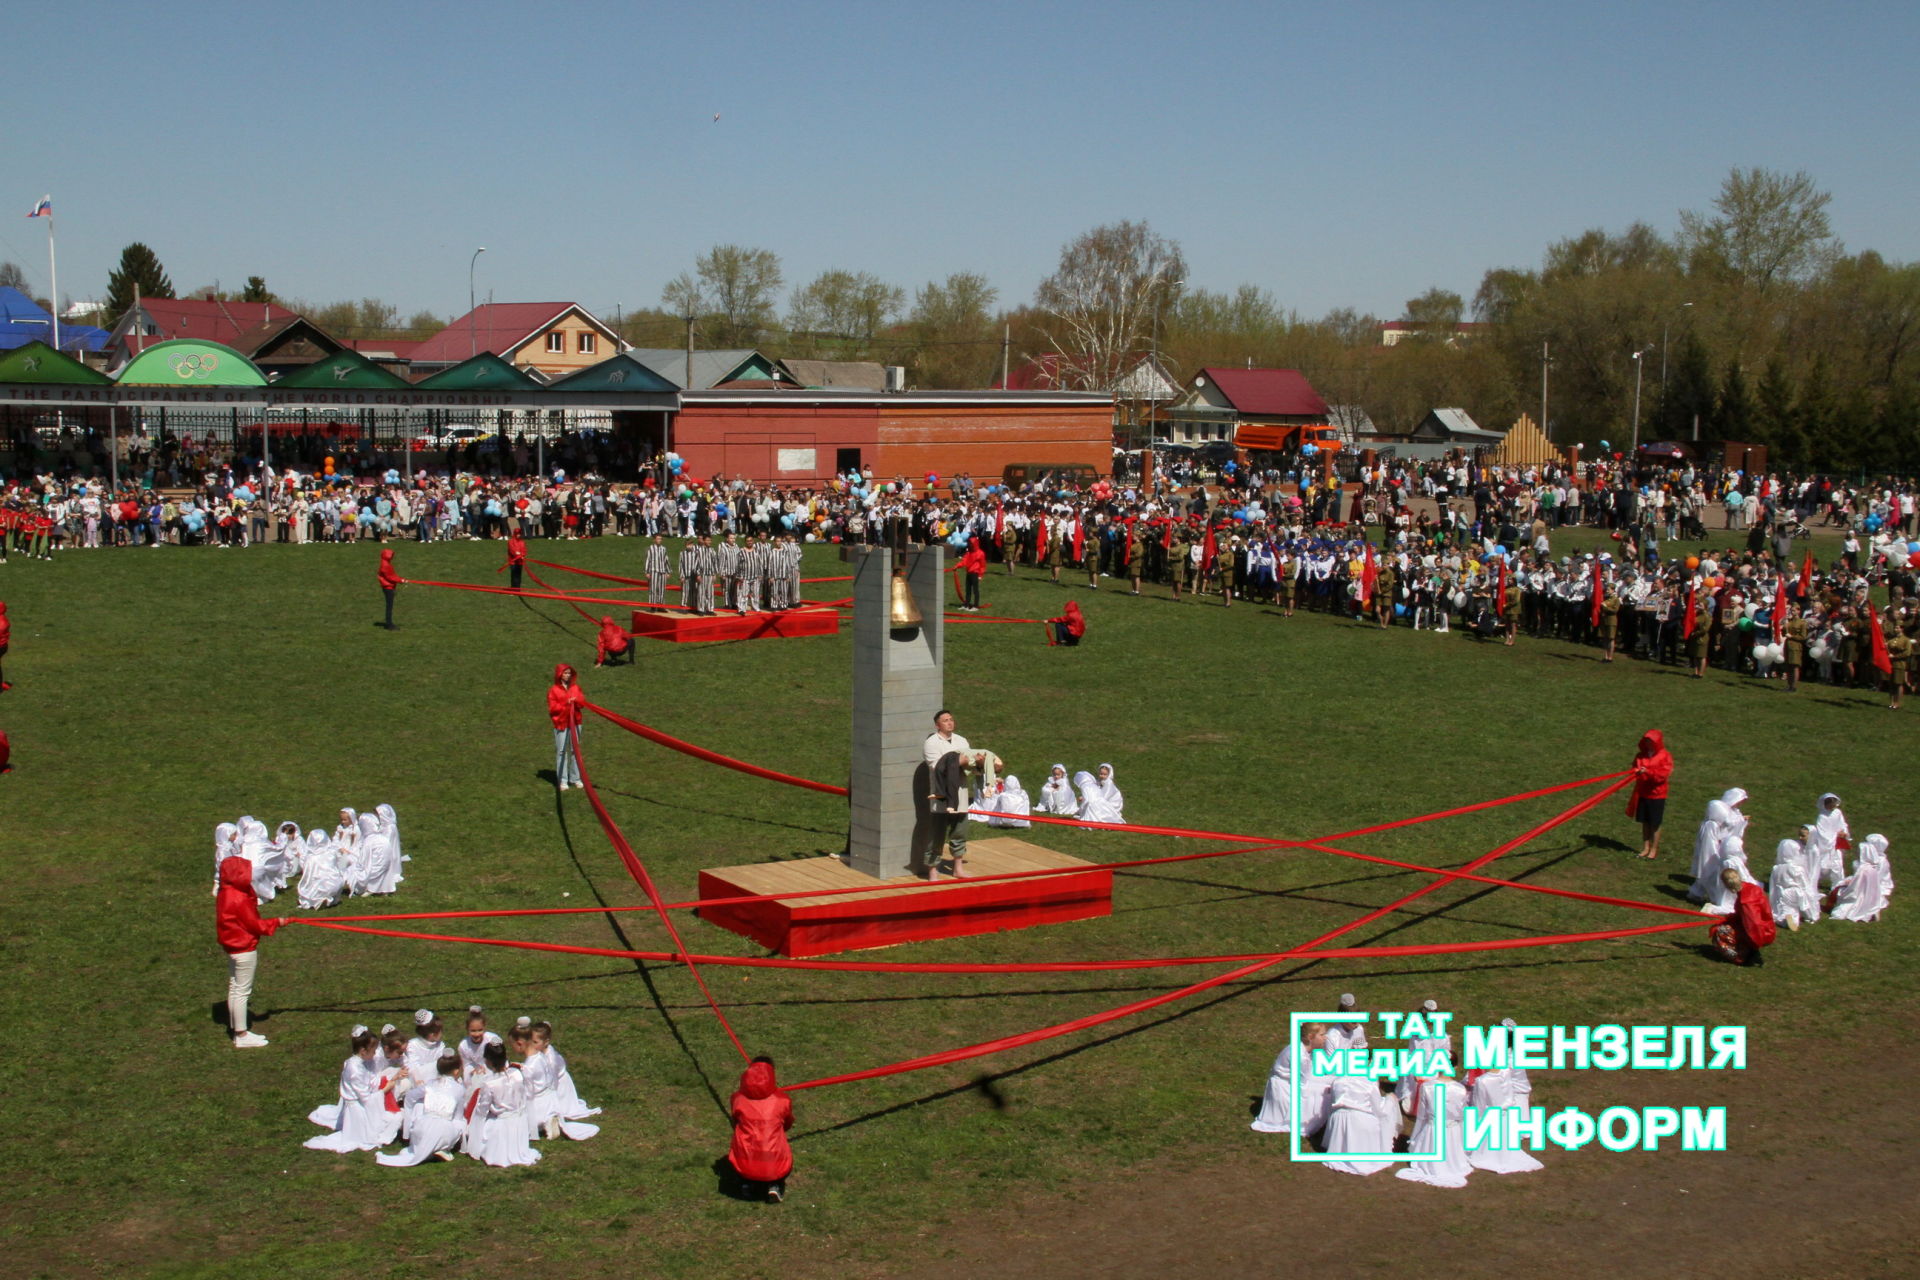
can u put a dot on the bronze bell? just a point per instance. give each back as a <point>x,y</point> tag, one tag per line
<point>902,612</point>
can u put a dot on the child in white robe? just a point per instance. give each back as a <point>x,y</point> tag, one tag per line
<point>390,828</point>
<point>500,1105</point>
<point>424,1050</point>
<point>1100,799</point>
<point>1276,1105</point>
<point>358,1120</point>
<point>1353,1125</point>
<point>1501,1087</point>
<point>1347,1035</point>
<point>1830,836</point>
<point>1794,900</point>
<point>473,1045</point>
<point>1056,794</point>
<point>380,868</point>
<point>1436,1096</point>
<point>1404,1089</point>
<point>554,1107</point>
<point>1706,848</point>
<point>1862,896</point>
<point>226,844</point>
<point>1733,855</point>
<point>322,882</point>
<point>1011,806</point>
<point>433,1120</point>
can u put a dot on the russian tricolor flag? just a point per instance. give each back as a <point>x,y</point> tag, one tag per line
<point>44,209</point>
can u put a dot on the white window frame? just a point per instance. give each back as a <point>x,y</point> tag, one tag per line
<point>557,342</point>
<point>584,346</point>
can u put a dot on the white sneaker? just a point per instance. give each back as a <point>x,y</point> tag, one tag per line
<point>249,1040</point>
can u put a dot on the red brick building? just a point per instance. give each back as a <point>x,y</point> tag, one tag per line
<point>806,437</point>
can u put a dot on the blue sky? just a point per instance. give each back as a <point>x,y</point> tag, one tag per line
<point>1335,154</point>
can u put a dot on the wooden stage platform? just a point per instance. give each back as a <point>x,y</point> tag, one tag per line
<point>800,925</point>
<point>681,627</point>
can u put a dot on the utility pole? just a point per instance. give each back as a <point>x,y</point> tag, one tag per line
<point>473,337</point>
<point>1546,362</point>
<point>1006,350</point>
<point>687,385</point>
<point>1639,368</point>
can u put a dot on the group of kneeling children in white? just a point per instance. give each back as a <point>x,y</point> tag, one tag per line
<point>1801,868</point>
<point>1090,797</point>
<point>440,1098</point>
<point>1355,1115</point>
<point>361,857</point>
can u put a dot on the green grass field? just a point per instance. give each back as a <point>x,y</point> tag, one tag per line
<point>155,696</point>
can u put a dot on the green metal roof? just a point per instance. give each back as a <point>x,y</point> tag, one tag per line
<point>616,373</point>
<point>36,362</point>
<point>190,362</point>
<point>484,372</point>
<point>346,370</point>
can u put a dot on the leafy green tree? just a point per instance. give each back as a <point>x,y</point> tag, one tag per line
<point>1733,414</point>
<point>839,313</point>
<point>138,275</point>
<point>733,289</point>
<point>956,342</point>
<point>1767,229</point>
<point>1775,422</point>
<point>257,291</point>
<point>1436,314</point>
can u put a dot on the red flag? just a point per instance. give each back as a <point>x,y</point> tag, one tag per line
<point>1079,539</point>
<point>1127,554</point>
<point>1599,589</point>
<point>1806,575</point>
<point>1882,660</point>
<point>1040,540</point>
<point>1779,608</point>
<point>1000,524</point>
<point>1166,535</point>
<point>1369,575</point>
<point>1500,600</point>
<point>1208,549</point>
<point>1686,628</point>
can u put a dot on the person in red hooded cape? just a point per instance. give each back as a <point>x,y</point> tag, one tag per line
<point>389,582</point>
<point>610,643</point>
<point>239,928</point>
<point>973,563</point>
<point>1652,770</point>
<point>1740,936</point>
<point>565,698</point>
<point>6,637</point>
<point>6,753</point>
<point>1069,626</point>
<point>762,1114</point>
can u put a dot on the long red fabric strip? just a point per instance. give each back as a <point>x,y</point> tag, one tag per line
<point>530,595</point>
<point>638,870</point>
<point>1141,1006</point>
<point>1052,966</point>
<point>711,757</point>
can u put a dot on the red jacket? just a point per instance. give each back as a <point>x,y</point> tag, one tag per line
<point>1075,620</point>
<point>1753,916</point>
<point>564,701</point>
<point>516,549</point>
<point>6,627</point>
<point>236,912</point>
<point>762,1114</point>
<point>389,576</point>
<point>612,638</point>
<point>974,559</point>
<point>1653,768</point>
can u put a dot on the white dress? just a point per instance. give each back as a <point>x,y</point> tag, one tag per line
<point>358,1120</point>
<point>390,827</point>
<point>1794,900</point>
<point>1353,1124</point>
<point>1056,797</point>
<point>1862,896</point>
<point>1099,801</point>
<point>504,1138</point>
<point>1823,851</point>
<point>473,1057</point>
<point>1276,1105</point>
<point>551,1095</point>
<point>380,867</point>
<point>1011,806</point>
<point>1722,901</point>
<point>1502,1087</point>
<point>1706,848</point>
<point>1453,1170</point>
<point>322,881</point>
<point>433,1122</point>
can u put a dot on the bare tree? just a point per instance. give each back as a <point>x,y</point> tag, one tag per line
<point>1768,228</point>
<point>736,290</point>
<point>1103,297</point>
<point>12,277</point>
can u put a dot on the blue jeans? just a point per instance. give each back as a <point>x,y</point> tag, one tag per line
<point>566,770</point>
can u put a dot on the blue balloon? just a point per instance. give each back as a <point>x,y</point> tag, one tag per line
<point>674,465</point>
<point>1399,611</point>
<point>786,522</point>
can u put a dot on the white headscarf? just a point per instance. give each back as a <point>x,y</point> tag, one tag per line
<point>1056,794</point>
<point>1011,806</point>
<point>390,826</point>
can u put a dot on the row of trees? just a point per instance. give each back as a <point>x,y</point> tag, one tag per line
<point>1750,323</point>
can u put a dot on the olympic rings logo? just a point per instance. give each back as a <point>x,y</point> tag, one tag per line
<point>198,364</point>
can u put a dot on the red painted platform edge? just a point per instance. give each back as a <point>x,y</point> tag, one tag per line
<point>951,909</point>
<point>678,627</point>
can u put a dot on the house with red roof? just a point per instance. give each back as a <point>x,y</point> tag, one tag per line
<point>549,339</point>
<point>277,340</point>
<point>1217,402</point>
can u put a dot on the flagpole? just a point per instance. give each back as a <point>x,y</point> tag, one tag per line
<point>53,272</point>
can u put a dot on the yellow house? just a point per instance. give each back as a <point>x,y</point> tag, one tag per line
<point>551,339</point>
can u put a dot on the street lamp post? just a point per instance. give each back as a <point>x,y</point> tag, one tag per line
<point>1666,327</point>
<point>1159,305</point>
<point>1639,368</point>
<point>473,338</point>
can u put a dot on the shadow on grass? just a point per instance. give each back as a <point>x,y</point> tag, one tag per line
<point>720,813</point>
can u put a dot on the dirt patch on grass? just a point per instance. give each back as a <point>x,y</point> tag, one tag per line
<point>1816,1181</point>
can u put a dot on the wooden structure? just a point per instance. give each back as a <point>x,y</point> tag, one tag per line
<point>1526,445</point>
<point>801,924</point>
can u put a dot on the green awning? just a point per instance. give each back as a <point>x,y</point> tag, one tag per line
<point>616,373</point>
<point>190,362</point>
<point>484,372</point>
<point>38,363</point>
<point>344,370</point>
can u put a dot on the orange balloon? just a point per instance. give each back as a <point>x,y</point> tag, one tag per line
<point>1693,562</point>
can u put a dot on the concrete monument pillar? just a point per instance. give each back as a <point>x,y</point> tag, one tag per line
<point>898,685</point>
